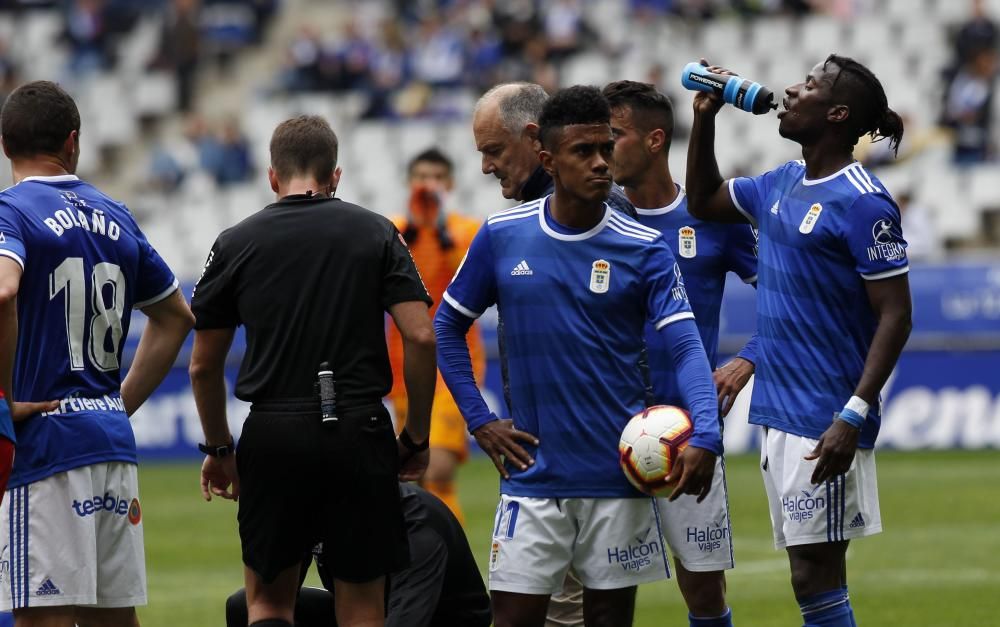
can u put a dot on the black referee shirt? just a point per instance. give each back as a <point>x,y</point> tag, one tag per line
<point>310,278</point>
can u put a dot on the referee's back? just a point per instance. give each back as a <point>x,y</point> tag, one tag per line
<point>310,277</point>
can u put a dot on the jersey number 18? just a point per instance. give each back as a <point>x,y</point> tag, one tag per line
<point>107,313</point>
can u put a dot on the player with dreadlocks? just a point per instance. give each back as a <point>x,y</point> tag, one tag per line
<point>833,314</point>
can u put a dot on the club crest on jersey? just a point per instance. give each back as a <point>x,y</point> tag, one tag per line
<point>687,245</point>
<point>600,276</point>
<point>809,221</point>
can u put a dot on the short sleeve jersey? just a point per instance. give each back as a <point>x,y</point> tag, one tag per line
<point>311,279</point>
<point>705,252</point>
<point>820,240</point>
<point>86,265</point>
<point>574,306</point>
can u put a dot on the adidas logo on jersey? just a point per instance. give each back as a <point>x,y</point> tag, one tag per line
<point>47,589</point>
<point>858,522</point>
<point>522,269</point>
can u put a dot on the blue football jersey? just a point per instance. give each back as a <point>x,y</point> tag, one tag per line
<point>705,252</point>
<point>86,266</point>
<point>574,306</point>
<point>820,240</point>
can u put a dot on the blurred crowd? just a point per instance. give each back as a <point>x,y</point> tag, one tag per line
<point>404,59</point>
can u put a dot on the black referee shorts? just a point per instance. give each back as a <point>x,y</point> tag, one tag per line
<point>303,482</point>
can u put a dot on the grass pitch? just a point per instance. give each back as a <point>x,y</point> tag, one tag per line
<point>936,563</point>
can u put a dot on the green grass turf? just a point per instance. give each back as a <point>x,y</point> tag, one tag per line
<point>936,564</point>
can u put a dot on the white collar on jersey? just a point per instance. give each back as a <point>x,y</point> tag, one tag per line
<point>60,178</point>
<point>551,232</point>
<point>830,177</point>
<point>662,210</point>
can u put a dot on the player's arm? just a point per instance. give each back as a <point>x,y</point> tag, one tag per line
<point>216,312</point>
<point>890,300</point>
<point>170,321</point>
<point>420,378</point>
<point>10,282</point>
<point>406,299</point>
<point>668,310</point>
<point>471,292</point>
<point>696,465</point>
<point>707,192</point>
<point>208,384</point>
<point>732,377</point>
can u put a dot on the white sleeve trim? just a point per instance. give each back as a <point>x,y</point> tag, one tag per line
<point>684,315</point>
<point>886,274</point>
<point>736,203</point>
<point>461,308</point>
<point>9,253</point>
<point>750,280</point>
<point>161,296</point>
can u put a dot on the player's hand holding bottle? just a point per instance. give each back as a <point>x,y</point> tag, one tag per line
<point>709,103</point>
<point>499,439</point>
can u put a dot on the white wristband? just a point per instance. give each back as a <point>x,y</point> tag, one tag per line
<point>858,405</point>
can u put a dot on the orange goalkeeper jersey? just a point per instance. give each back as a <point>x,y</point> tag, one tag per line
<point>437,267</point>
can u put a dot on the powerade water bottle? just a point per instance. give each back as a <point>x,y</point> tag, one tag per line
<point>737,91</point>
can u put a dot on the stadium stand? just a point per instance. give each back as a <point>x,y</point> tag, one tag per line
<point>130,96</point>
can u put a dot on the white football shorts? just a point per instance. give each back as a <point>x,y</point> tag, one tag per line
<point>74,538</point>
<point>610,543</point>
<point>841,508</point>
<point>699,534</point>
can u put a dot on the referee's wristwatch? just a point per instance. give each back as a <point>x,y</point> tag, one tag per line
<point>217,451</point>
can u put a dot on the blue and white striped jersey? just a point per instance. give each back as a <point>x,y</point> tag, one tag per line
<point>574,306</point>
<point>705,252</point>
<point>820,240</point>
<point>86,265</point>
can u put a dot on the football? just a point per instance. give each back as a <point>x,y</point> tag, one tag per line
<point>650,444</point>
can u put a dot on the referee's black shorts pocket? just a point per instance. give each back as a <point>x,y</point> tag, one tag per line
<point>379,454</point>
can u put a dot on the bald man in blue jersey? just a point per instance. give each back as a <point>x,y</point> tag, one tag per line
<point>833,313</point>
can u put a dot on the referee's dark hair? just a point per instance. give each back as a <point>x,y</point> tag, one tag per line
<point>303,146</point>
<point>431,155</point>
<point>650,109</point>
<point>37,118</point>
<point>579,104</point>
<point>857,87</point>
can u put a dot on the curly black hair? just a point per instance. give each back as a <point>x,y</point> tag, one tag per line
<point>650,109</point>
<point>579,104</point>
<point>864,94</point>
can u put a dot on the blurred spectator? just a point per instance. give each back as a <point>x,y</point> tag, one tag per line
<point>180,48</point>
<point>483,56</point>
<point>88,37</point>
<point>438,56</point>
<point>391,68</point>
<point>227,27</point>
<point>302,72</point>
<point>348,63</point>
<point>10,77</point>
<point>922,238</point>
<point>979,32</point>
<point>564,27</point>
<point>234,164</point>
<point>968,108</point>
